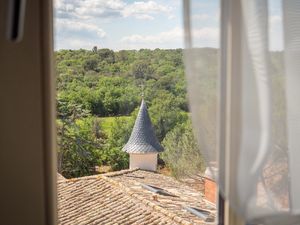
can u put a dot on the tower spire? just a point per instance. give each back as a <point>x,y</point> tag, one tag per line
<point>142,90</point>
<point>143,138</point>
<point>143,146</point>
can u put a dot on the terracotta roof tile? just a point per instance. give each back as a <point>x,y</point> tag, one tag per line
<point>119,198</point>
<point>60,177</point>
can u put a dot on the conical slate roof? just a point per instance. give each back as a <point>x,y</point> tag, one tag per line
<point>142,138</point>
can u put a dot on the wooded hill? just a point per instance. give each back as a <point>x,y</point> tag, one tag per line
<point>94,86</point>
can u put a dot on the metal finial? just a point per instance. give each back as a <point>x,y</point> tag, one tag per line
<point>142,87</point>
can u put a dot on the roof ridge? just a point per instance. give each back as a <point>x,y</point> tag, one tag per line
<point>120,172</point>
<point>156,207</point>
<point>109,174</point>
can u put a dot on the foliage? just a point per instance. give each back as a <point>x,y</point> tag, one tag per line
<point>85,143</point>
<point>165,114</point>
<point>182,154</point>
<point>98,95</point>
<point>119,135</point>
<point>142,70</point>
<point>108,122</point>
<point>79,145</point>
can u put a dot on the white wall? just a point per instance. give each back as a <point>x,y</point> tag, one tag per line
<point>143,161</point>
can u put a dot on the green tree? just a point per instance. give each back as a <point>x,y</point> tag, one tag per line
<point>119,135</point>
<point>90,64</point>
<point>182,154</point>
<point>94,49</point>
<point>107,55</point>
<point>79,146</point>
<point>142,70</point>
<point>165,113</point>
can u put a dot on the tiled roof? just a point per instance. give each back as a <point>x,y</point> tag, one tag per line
<point>119,198</point>
<point>60,177</point>
<point>143,139</point>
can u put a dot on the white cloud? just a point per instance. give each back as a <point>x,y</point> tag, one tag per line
<point>206,33</point>
<point>63,25</point>
<point>99,9</point>
<point>87,9</point>
<point>163,37</point>
<point>144,10</point>
<point>201,17</point>
<point>207,36</point>
<point>275,20</point>
<point>144,17</point>
<point>275,32</point>
<point>86,23</point>
<point>75,34</point>
<point>77,44</point>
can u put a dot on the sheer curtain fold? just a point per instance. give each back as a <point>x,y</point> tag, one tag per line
<point>291,19</point>
<point>268,151</point>
<point>255,102</point>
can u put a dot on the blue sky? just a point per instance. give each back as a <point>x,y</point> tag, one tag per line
<point>130,24</point>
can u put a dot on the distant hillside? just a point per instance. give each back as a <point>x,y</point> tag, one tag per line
<point>107,84</point>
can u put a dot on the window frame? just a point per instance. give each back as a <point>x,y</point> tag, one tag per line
<point>229,91</point>
<point>27,131</point>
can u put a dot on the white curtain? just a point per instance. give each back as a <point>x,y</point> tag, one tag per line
<point>291,12</point>
<point>267,183</point>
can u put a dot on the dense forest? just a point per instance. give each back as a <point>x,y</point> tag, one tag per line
<point>98,95</point>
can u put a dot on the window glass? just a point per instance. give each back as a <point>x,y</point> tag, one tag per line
<point>122,103</point>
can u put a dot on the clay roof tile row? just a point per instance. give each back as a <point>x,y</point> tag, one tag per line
<point>119,198</point>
